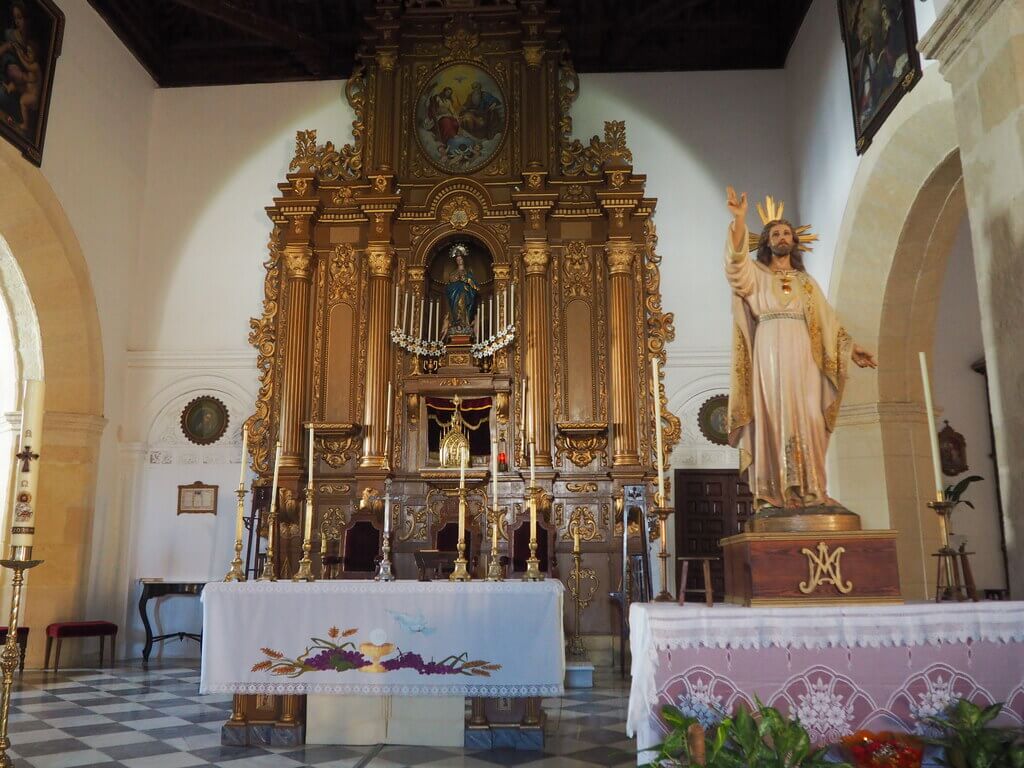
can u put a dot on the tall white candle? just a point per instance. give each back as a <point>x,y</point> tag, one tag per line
<point>395,323</point>
<point>533,469</point>
<point>422,307</point>
<point>387,514</point>
<point>933,436</point>
<point>494,475</point>
<point>512,301</point>
<point>463,458</point>
<point>430,323</point>
<point>245,455</point>
<point>273,496</point>
<point>26,464</point>
<point>405,311</point>
<point>656,390</point>
<point>437,322</point>
<point>309,477</point>
<point>490,312</point>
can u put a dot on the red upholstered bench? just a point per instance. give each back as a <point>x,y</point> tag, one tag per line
<point>63,629</point>
<point>22,644</point>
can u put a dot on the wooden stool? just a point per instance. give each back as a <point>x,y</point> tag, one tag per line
<point>705,562</point>
<point>63,629</point>
<point>953,562</point>
<point>22,644</point>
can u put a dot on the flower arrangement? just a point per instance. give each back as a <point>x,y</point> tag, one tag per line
<point>883,750</point>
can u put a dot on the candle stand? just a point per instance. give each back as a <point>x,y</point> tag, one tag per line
<point>581,600</point>
<point>664,596</point>
<point>954,580</point>
<point>19,562</point>
<point>268,562</point>
<point>494,567</point>
<point>460,573</point>
<point>235,572</point>
<point>533,562</point>
<point>384,572</point>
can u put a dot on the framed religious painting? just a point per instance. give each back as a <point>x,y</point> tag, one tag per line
<point>881,60</point>
<point>32,31</point>
<point>197,499</point>
<point>461,118</point>
<point>204,420</point>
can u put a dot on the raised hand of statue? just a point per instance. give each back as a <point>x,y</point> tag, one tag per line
<point>862,357</point>
<point>738,208</point>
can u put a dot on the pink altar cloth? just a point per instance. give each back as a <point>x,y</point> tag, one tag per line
<point>874,667</point>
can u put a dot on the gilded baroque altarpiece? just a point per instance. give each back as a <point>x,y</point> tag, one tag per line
<point>462,134</point>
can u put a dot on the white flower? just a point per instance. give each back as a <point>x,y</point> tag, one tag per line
<point>699,702</point>
<point>822,712</point>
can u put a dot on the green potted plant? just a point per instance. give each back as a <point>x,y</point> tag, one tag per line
<point>740,741</point>
<point>954,492</point>
<point>969,741</point>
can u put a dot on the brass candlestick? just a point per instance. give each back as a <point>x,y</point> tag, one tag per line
<point>19,562</point>
<point>235,572</point>
<point>305,571</point>
<point>533,562</point>
<point>575,645</point>
<point>494,567</point>
<point>664,596</point>
<point>460,573</point>
<point>268,563</point>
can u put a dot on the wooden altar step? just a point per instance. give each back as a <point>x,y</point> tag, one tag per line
<point>811,568</point>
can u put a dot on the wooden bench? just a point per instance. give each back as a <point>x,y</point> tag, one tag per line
<point>64,629</point>
<point>22,644</point>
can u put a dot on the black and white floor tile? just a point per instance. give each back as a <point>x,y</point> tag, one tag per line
<point>132,716</point>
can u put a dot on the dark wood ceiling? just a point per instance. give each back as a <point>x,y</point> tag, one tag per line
<point>217,42</point>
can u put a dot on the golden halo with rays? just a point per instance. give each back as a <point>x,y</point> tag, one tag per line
<point>771,211</point>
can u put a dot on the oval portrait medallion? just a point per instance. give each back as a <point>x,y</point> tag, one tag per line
<point>461,118</point>
<point>204,420</point>
<point>713,419</point>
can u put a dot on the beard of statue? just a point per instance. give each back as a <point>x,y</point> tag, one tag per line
<point>765,252</point>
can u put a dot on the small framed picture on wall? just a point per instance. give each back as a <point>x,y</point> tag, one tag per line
<point>197,498</point>
<point>31,32</point>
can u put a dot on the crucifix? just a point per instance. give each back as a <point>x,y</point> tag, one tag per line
<point>25,457</point>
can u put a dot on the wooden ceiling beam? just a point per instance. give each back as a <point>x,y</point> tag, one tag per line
<point>308,50</point>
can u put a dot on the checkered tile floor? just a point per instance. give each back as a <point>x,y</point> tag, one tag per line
<point>155,718</point>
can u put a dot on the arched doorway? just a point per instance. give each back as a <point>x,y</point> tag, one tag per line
<point>905,207</point>
<point>55,330</point>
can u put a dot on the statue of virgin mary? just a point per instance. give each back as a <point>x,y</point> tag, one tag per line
<point>461,290</point>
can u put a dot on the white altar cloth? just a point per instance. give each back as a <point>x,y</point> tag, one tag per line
<point>656,628</point>
<point>404,638</point>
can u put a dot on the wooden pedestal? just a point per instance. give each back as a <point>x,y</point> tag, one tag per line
<point>811,568</point>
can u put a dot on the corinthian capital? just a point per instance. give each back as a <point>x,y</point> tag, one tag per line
<point>620,257</point>
<point>298,260</point>
<point>379,256</point>
<point>536,258</point>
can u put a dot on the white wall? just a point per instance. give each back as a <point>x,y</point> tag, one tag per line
<point>692,134</point>
<point>94,158</point>
<point>960,394</point>
<point>821,145</point>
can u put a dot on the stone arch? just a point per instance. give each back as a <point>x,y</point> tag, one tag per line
<point>904,208</point>
<point>56,280</point>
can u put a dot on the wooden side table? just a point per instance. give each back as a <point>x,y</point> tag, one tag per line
<point>705,561</point>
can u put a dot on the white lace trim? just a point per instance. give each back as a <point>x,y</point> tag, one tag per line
<point>382,588</point>
<point>484,691</point>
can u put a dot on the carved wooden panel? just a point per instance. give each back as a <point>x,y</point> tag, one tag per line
<point>340,353</point>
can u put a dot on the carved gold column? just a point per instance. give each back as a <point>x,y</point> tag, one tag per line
<point>538,345</point>
<point>380,258</point>
<point>298,271</point>
<point>623,368</point>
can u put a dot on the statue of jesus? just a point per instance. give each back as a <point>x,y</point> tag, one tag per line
<point>789,365</point>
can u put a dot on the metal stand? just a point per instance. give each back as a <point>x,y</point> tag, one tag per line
<point>236,572</point>
<point>384,572</point>
<point>19,562</point>
<point>268,563</point>
<point>533,562</point>
<point>494,567</point>
<point>460,573</point>
<point>305,571</point>
<point>574,586</point>
<point>664,596</point>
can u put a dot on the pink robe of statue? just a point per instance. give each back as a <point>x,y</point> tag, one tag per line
<point>789,365</point>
